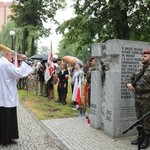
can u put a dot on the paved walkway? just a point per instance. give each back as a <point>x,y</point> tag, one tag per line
<point>63,134</point>
<point>77,135</point>
<point>32,136</point>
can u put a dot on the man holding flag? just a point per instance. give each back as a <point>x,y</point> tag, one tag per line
<point>49,73</point>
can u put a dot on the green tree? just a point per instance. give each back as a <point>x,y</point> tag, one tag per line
<point>5,37</point>
<point>30,16</point>
<point>98,21</point>
<point>79,34</point>
<point>122,19</point>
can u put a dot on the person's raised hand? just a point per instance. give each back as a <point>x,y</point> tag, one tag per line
<point>130,87</point>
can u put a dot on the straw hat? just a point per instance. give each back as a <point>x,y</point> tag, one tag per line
<point>5,49</point>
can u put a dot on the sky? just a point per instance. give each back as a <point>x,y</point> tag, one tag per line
<point>60,17</point>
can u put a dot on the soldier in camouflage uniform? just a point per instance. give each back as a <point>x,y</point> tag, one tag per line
<point>140,84</point>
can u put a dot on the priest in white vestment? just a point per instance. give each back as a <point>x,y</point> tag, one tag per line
<point>9,74</point>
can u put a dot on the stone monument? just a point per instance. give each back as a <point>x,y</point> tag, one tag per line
<point>112,105</point>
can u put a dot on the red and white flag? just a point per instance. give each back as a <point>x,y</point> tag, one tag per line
<point>50,65</point>
<point>79,95</point>
<point>76,96</point>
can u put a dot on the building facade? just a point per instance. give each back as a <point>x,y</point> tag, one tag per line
<point>5,12</point>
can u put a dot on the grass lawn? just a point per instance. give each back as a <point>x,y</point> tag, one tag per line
<point>43,108</point>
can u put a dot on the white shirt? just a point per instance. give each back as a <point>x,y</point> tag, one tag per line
<point>8,81</point>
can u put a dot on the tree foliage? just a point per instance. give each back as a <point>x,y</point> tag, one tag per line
<point>120,19</point>
<point>100,20</point>
<point>5,37</point>
<point>79,33</point>
<point>30,15</point>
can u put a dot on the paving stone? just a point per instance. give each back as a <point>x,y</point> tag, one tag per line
<point>75,134</point>
<point>32,136</point>
<point>63,134</point>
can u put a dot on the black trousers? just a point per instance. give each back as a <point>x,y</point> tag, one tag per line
<point>8,123</point>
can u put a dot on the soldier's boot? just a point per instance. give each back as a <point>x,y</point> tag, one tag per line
<point>145,144</point>
<point>135,142</point>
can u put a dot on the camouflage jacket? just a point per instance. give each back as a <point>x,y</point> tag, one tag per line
<point>142,86</point>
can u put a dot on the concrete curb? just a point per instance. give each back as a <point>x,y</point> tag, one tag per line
<point>51,135</point>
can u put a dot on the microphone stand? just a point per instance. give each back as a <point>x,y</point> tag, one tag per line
<point>139,128</point>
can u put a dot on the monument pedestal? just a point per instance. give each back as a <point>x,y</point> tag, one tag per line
<point>112,105</point>
<point>95,107</point>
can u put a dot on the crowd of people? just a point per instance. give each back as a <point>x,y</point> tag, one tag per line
<point>33,76</point>
<point>78,73</point>
<point>28,76</point>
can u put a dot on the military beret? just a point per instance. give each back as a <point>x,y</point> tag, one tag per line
<point>147,51</point>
